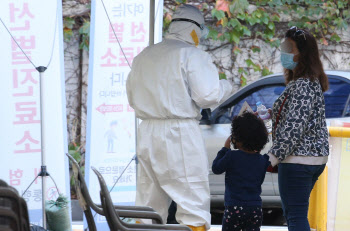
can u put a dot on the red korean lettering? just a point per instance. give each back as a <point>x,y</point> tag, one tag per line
<point>23,14</point>
<point>15,177</point>
<point>24,43</point>
<point>138,32</point>
<point>119,30</point>
<point>28,78</point>
<point>27,140</point>
<point>28,117</point>
<point>129,55</point>
<point>109,58</point>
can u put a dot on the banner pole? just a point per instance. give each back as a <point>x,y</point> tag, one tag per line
<point>43,173</point>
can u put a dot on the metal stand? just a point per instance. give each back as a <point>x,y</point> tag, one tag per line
<point>43,170</point>
<point>43,173</point>
<point>41,69</point>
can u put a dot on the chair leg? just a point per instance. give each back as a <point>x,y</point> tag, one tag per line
<point>90,220</point>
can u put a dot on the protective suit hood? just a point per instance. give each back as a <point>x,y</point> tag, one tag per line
<point>186,31</point>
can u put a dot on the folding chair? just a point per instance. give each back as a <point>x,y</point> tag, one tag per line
<point>5,228</point>
<point>87,204</point>
<point>113,216</point>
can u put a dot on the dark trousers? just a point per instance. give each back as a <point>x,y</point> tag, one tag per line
<point>246,218</point>
<point>295,184</point>
<point>172,213</point>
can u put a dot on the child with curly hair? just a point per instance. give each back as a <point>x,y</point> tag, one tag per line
<point>245,170</point>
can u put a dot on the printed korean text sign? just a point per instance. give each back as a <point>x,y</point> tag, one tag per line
<point>111,120</point>
<point>35,27</point>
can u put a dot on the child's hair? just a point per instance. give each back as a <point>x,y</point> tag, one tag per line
<point>249,131</point>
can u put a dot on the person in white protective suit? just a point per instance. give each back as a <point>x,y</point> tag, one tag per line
<point>168,85</point>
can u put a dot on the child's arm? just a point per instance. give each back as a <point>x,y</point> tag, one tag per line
<point>221,161</point>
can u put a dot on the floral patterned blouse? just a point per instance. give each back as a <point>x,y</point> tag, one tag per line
<point>301,129</point>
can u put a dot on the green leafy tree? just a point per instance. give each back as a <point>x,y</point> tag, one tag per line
<point>233,21</point>
<point>82,24</point>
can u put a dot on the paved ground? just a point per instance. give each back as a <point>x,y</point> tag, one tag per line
<point>79,227</point>
<point>273,221</point>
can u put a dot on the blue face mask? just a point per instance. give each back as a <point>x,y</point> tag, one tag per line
<point>287,61</point>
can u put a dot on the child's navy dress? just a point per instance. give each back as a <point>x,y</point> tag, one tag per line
<point>245,173</point>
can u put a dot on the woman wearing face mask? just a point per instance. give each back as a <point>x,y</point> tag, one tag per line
<point>300,136</point>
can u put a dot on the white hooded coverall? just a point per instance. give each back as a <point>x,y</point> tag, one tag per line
<point>168,84</point>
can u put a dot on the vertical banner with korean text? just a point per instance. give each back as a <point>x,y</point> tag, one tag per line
<point>37,27</point>
<point>111,120</point>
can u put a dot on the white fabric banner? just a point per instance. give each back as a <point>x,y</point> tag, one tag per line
<point>111,120</point>
<point>37,27</point>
